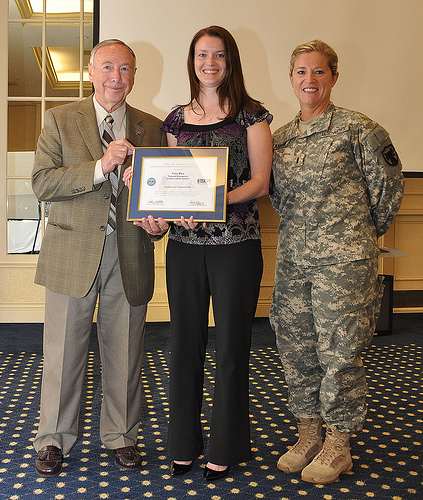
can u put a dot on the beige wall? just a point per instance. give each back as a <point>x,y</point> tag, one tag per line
<point>379,44</point>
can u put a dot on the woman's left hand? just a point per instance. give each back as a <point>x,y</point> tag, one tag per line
<point>127,176</point>
<point>187,223</point>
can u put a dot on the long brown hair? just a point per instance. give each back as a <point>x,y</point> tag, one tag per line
<point>232,87</point>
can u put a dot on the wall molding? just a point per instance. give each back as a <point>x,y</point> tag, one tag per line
<point>157,311</point>
<point>22,312</point>
<point>26,312</point>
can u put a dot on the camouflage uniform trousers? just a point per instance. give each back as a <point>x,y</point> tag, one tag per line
<point>323,317</point>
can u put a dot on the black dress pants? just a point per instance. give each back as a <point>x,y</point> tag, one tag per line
<point>231,275</point>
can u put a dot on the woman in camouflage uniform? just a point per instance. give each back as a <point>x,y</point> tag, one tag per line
<point>337,185</point>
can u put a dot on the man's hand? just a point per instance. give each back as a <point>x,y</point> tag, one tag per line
<point>155,227</point>
<point>115,155</point>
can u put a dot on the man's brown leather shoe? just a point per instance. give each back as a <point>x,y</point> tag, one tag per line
<point>49,461</point>
<point>126,457</point>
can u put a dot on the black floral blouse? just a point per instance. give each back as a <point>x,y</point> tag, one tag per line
<point>242,220</point>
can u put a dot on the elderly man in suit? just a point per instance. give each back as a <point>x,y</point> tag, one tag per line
<point>91,252</point>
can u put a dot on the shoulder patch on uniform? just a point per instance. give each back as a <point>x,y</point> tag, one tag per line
<point>390,155</point>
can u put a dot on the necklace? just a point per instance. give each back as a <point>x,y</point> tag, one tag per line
<point>212,116</point>
<point>209,118</point>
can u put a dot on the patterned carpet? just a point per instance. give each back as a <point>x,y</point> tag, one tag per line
<point>387,455</point>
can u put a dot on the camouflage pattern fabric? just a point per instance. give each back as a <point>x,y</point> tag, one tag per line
<point>336,188</point>
<point>323,317</point>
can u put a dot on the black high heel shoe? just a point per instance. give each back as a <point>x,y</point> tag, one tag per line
<point>212,475</point>
<point>179,469</point>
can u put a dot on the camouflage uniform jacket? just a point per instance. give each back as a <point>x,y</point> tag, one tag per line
<point>336,188</point>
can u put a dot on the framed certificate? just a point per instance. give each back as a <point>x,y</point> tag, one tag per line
<point>176,182</point>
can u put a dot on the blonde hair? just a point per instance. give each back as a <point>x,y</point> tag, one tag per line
<point>315,46</point>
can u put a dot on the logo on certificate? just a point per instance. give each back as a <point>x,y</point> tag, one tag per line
<point>151,181</point>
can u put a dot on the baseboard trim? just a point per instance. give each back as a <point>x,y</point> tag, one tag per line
<point>15,312</point>
<point>401,310</point>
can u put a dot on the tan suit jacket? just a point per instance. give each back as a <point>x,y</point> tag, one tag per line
<point>63,174</point>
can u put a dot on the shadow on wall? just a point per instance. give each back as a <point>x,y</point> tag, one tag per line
<point>254,59</point>
<point>148,79</point>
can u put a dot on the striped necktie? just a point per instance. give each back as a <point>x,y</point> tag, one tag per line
<point>109,136</point>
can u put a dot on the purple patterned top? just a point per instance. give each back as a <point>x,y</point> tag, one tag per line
<point>242,220</point>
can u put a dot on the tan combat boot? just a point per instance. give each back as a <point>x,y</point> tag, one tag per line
<point>333,460</point>
<point>308,445</point>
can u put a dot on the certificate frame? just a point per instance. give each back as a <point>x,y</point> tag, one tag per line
<point>179,182</point>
